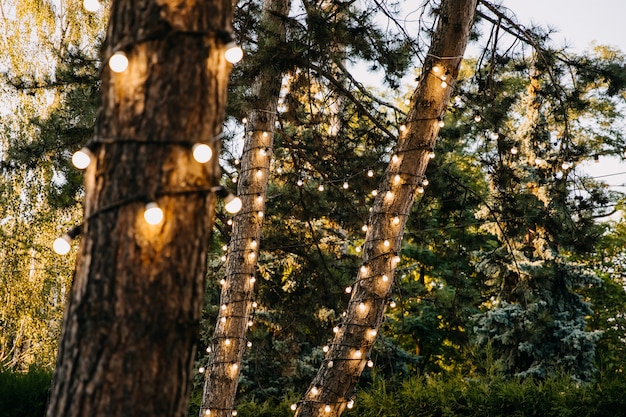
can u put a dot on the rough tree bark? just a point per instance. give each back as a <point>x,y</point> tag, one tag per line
<point>130,327</point>
<point>229,337</point>
<point>332,389</point>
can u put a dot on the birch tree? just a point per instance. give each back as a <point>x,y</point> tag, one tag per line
<point>331,390</point>
<point>129,330</point>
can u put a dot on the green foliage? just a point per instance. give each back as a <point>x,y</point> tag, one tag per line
<point>24,394</point>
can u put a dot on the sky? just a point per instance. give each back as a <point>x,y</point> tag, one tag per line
<point>579,24</point>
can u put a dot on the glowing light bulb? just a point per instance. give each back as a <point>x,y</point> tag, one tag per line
<point>420,190</point>
<point>350,404</point>
<point>252,255</point>
<point>82,158</point>
<point>357,353</point>
<point>153,214</point>
<point>227,342</point>
<point>118,62</point>
<point>330,364</point>
<point>260,214</point>
<point>202,152</point>
<point>370,363</point>
<point>477,118</point>
<point>444,84</point>
<point>392,304</point>
<point>425,182</point>
<point>232,204</point>
<point>265,134</point>
<point>436,69</point>
<point>357,249</point>
<point>441,123</point>
<point>384,278</point>
<point>233,53</point>
<point>223,307</point>
<point>299,183</point>
<point>259,199</point>
<point>373,332</point>
<point>388,195</point>
<point>513,150</point>
<point>327,408</point>
<point>253,244</point>
<point>259,173</point>
<point>91,6</point>
<point>325,349</point>
<point>207,413</point>
<point>336,329</point>
<point>252,280</point>
<point>225,247</point>
<point>62,245</point>
<point>321,187</point>
<point>346,185</point>
<point>250,323</point>
<point>362,307</point>
<point>397,178</point>
<point>395,260</point>
<point>348,290</point>
<point>254,304</point>
<point>363,269</point>
<point>223,319</point>
<point>386,243</point>
<point>374,193</point>
<point>315,391</point>
<point>431,155</point>
<point>222,281</point>
<point>201,370</point>
<point>294,407</point>
<point>262,152</point>
<point>370,173</point>
<point>395,158</point>
<point>249,344</point>
<point>234,413</point>
<point>396,220</point>
<point>364,228</point>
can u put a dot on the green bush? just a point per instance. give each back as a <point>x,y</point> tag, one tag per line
<point>24,394</point>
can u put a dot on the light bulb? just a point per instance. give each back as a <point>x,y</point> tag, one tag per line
<point>350,404</point>
<point>513,150</point>
<point>389,195</point>
<point>294,407</point>
<point>436,69</point>
<point>374,193</point>
<point>232,204</point>
<point>233,53</point>
<point>254,304</point>
<point>253,244</point>
<point>420,190</point>
<point>260,214</point>
<point>325,349</point>
<point>234,413</point>
<point>118,62</point>
<point>386,243</point>
<point>346,185</point>
<point>370,173</point>
<point>373,332</point>
<point>477,118</point>
<point>431,155</point>
<point>363,269</point>
<point>397,178</point>
<point>91,5</point>
<point>385,278</point>
<point>201,370</point>
<point>62,245</point>
<point>357,353</point>
<point>259,199</point>
<point>315,391</point>
<point>396,220</point>
<point>444,84</point>
<point>223,307</point>
<point>395,158</point>
<point>362,307</point>
<point>370,363</point>
<point>392,304</point>
<point>259,173</point>
<point>250,323</point>
<point>402,128</point>
<point>425,182</point>
<point>249,344</point>
<point>234,366</point>
<point>202,152</point>
<point>395,260</point>
<point>153,214</point>
<point>207,412</point>
<point>348,290</point>
<point>321,187</point>
<point>227,342</point>
<point>252,280</point>
<point>330,364</point>
<point>441,123</point>
<point>357,249</point>
<point>364,228</point>
<point>336,329</point>
<point>327,408</point>
<point>299,183</point>
<point>82,158</point>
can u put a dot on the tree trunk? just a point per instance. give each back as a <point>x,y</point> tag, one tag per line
<point>127,346</point>
<point>332,389</point>
<point>229,337</point>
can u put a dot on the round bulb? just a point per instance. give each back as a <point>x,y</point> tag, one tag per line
<point>327,408</point>
<point>233,53</point>
<point>346,185</point>
<point>91,5</point>
<point>350,404</point>
<point>153,214</point>
<point>294,407</point>
<point>82,158</point>
<point>62,245</point>
<point>233,204</point>
<point>118,62</point>
<point>370,173</point>
<point>202,152</point>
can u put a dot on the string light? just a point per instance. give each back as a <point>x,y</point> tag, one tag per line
<point>513,150</point>
<point>346,185</point>
<point>153,214</point>
<point>357,353</point>
<point>321,187</point>
<point>62,245</point>
<point>82,158</point>
<point>92,6</point>
<point>325,349</point>
<point>315,391</point>
<point>396,220</point>
<point>370,173</point>
<point>233,53</point>
<point>350,404</point>
<point>441,123</point>
<point>327,408</point>
<point>294,407</point>
<point>348,290</point>
<point>118,62</point>
<point>202,152</point>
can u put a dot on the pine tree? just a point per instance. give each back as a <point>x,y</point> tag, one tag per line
<point>130,327</point>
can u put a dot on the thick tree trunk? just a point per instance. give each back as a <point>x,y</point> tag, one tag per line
<point>229,337</point>
<point>332,389</point>
<point>130,327</point>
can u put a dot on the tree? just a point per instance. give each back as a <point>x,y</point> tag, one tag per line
<point>48,92</point>
<point>127,344</point>
<point>330,392</point>
<point>229,337</point>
